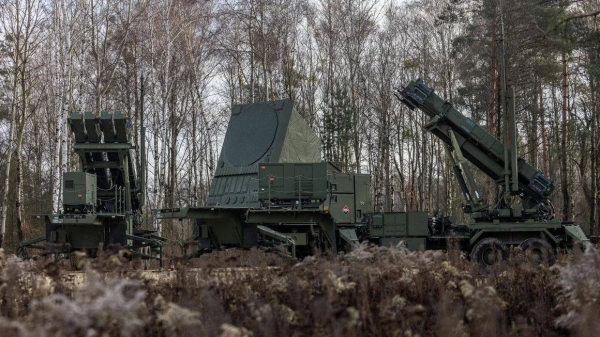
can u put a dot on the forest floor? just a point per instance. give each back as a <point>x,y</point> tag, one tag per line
<point>369,292</point>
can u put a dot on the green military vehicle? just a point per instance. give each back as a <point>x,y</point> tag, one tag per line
<point>529,223</point>
<point>270,187</point>
<point>102,203</point>
<point>258,134</point>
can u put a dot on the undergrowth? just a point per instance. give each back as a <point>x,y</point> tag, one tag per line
<point>369,292</point>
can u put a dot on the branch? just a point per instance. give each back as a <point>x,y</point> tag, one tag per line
<point>580,16</point>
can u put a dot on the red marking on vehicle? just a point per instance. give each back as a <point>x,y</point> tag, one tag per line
<point>263,167</point>
<point>79,195</point>
<point>346,209</point>
<point>271,179</point>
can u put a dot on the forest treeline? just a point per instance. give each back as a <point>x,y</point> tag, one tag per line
<point>339,60</point>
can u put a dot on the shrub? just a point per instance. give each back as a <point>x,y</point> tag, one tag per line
<point>371,291</point>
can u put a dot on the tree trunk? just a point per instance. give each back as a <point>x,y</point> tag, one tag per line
<point>545,149</point>
<point>23,73</point>
<point>194,154</point>
<point>567,213</point>
<point>19,183</point>
<point>593,198</point>
<point>11,142</point>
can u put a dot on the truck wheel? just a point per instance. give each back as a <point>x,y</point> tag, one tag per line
<point>489,252</point>
<point>540,250</point>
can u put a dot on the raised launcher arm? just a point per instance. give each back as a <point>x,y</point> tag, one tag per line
<point>105,150</point>
<point>471,142</point>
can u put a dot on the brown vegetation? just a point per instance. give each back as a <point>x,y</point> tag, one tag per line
<point>370,292</point>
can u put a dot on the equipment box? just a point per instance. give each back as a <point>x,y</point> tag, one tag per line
<point>417,223</point>
<point>79,189</point>
<point>400,224</point>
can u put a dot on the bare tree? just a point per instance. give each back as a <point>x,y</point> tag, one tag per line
<point>22,20</point>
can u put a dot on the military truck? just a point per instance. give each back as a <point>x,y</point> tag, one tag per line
<point>271,187</point>
<point>258,134</point>
<point>102,203</point>
<point>528,223</point>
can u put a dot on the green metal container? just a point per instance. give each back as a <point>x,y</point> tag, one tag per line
<point>79,189</point>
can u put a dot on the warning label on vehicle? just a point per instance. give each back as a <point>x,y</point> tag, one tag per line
<point>345,209</point>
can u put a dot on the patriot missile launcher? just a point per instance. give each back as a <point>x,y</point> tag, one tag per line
<point>102,203</point>
<point>486,153</point>
<point>529,223</point>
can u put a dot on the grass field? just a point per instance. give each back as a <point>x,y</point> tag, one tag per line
<point>369,292</point>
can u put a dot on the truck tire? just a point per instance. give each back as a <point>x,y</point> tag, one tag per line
<point>489,252</point>
<point>540,250</point>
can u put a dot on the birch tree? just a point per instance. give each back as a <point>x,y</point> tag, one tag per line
<point>63,17</point>
<point>22,20</point>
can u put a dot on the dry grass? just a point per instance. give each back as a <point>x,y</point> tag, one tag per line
<point>369,292</point>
